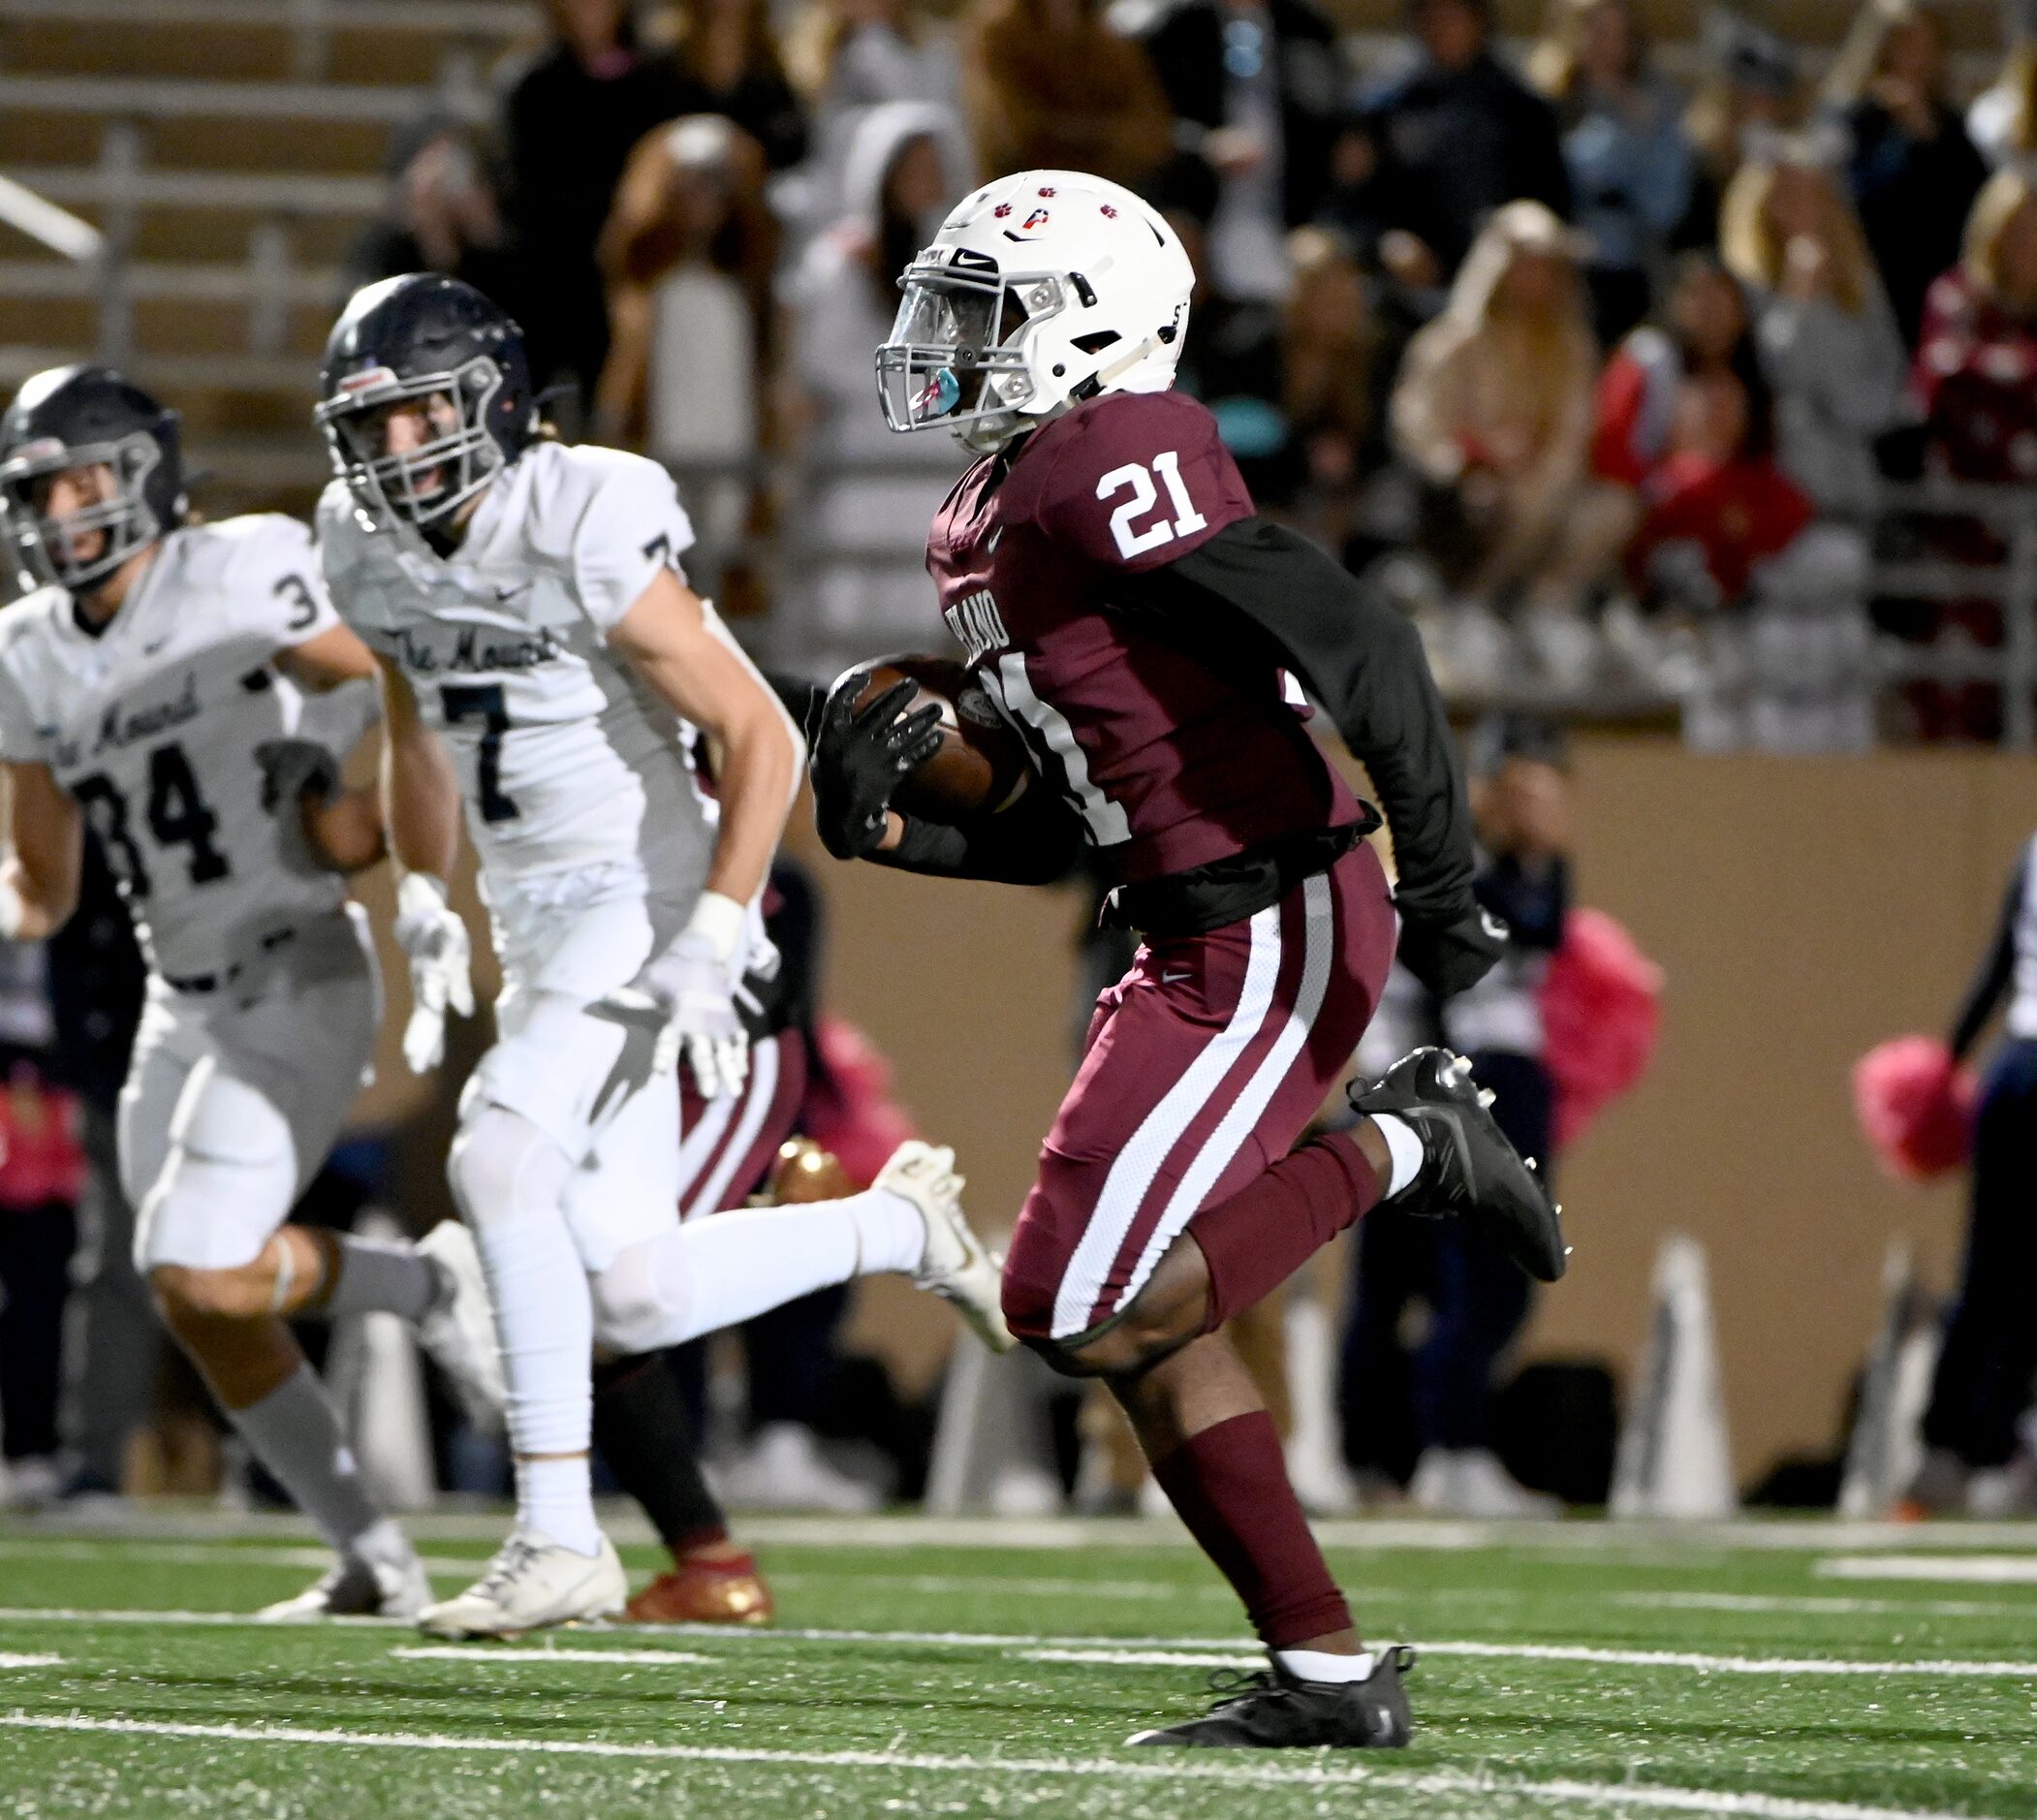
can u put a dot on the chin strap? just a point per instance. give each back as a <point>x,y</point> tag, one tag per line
<point>1124,364</point>
<point>988,435</point>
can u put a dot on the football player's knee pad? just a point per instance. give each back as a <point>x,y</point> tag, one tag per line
<point>501,1165</point>
<point>225,1122</point>
<point>641,1301</point>
<point>227,1182</point>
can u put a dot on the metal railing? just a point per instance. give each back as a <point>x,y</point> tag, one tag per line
<point>472,28</point>
<point>121,185</point>
<point>282,192</point>
<point>2010,514</point>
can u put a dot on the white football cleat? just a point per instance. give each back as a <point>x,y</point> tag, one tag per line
<point>1470,1482</point>
<point>955,1267</point>
<point>784,1469</point>
<point>532,1583</point>
<point>458,1330</point>
<point>355,1587</point>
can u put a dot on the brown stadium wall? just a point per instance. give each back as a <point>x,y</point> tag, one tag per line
<point>1801,909</point>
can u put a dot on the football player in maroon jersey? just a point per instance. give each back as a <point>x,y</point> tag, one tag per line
<point>1137,623</point>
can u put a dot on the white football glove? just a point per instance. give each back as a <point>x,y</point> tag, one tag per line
<point>13,908</point>
<point>688,994</point>
<point>435,939</point>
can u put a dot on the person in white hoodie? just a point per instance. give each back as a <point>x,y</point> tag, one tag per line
<point>856,589</point>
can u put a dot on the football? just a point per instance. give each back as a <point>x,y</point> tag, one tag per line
<point>981,764</point>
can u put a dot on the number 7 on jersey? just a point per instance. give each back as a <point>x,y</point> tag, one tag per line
<point>483,702</point>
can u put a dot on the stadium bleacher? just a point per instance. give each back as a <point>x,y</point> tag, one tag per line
<point>227,157</point>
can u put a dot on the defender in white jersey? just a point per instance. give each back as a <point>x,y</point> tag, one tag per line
<point>545,663</point>
<point>154,690</point>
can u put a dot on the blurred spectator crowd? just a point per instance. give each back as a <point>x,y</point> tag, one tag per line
<point>1642,399</point>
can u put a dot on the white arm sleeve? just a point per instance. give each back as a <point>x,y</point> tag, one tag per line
<point>633,527</point>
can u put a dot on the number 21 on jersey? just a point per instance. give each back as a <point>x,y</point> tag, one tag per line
<point>1133,538</point>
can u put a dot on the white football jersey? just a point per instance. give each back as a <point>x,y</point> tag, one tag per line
<point>575,774</point>
<point>2022,1002</point>
<point>152,723</point>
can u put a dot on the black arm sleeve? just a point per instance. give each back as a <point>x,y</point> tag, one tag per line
<point>1363,661</point>
<point>1036,841</point>
<point>1997,967</point>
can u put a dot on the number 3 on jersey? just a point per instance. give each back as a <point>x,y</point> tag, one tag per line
<point>1133,539</point>
<point>483,702</point>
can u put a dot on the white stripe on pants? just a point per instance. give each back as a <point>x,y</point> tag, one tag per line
<point>1236,1126</point>
<point>1130,1177</point>
<point>748,1111</point>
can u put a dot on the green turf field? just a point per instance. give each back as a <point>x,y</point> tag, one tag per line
<point>987,1669</point>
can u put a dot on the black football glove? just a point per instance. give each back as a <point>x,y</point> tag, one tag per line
<point>859,759</point>
<point>1450,957</point>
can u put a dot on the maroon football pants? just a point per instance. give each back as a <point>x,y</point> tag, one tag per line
<point>1202,1066</point>
<point>727,1145</point>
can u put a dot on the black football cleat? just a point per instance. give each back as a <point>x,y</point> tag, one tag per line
<point>1469,1169</point>
<point>1271,1709</point>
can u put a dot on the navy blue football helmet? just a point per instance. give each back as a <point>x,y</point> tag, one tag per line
<point>419,336</point>
<point>85,416</point>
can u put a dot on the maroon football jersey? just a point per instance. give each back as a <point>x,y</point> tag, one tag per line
<point>1175,752</point>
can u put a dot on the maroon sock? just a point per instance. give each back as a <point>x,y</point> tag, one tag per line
<point>1254,1241</point>
<point>1230,1486</point>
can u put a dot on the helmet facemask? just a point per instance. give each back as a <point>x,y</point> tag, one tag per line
<point>957,357</point>
<point>125,521</point>
<point>390,486</point>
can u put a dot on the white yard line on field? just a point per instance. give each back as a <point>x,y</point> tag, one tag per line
<point>217,1555</point>
<point>1735,1664</point>
<point>1571,1653</point>
<point>1192,1651</point>
<point>937,1639</point>
<point>11,1661</point>
<point>1237,1658</point>
<point>689,1633</point>
<point>977,1586</point>
<point>1628,1796</point>
<point>222,1554</point>
<point>1666,1542</point>
<point>223,1621</point>
<point>1058,1534</point>
<point>1979,1570</point>
<point>1805,1605</point>
<point>1186,1650</point>
<point>496,1655</point>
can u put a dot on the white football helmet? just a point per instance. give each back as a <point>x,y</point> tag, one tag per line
<point>1039,290</point>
